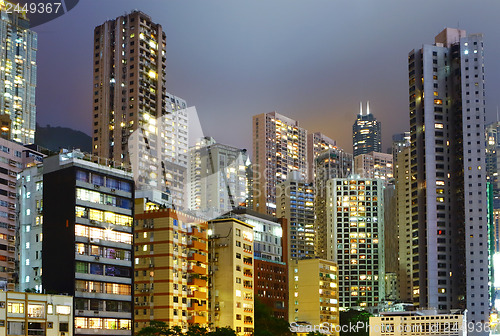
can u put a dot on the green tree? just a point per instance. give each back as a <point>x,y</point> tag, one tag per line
<point>266,324</point>
<point>352,317</point>
<point>158,328</point>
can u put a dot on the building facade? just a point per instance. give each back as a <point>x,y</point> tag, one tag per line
<point>36,314</point>
<point>399,142</point>
<point>218,177</point>
<point>296,205</point>
<point>355,239</point>
<point>316,143</point>
<point>231,278</point>
<point>366,133</point>
<point>403,214</point>
<point>171,267</point>
<point>30,219</point>
<point>419,323</point>
<point>314,292</point>
<point>270,259</point>
<point>374,165</point>
<point>87,228</point>
<point>448,175</point>
<point>279,147</point>
<point>18,82</point>
<point>135,120</point>
<point>331,163</point>
<point>14,157</point>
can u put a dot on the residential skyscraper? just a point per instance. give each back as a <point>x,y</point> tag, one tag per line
<point>402,181</point>
<point>296,204</point>
<point>18,81</point>
<point>279,147</point>
<point>129,81</point>
<point>135,120</point>
<point>374,165</point>
<point>331,163</point>
<point>355,239</point>
<point>492,134</point>
<point>366,133</point>
<point>14,157</point>
<point>399,142</point>
<point>270,259</point>
<point>171,266</point>
<point>231,279</point>
<point>448,175</point>
<point>316,143</point>
<point>87,228</point>
<point>218,177</point>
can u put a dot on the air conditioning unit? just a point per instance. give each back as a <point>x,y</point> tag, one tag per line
<point>96,186</point>
<point>151,265</point>
<point>113,190</point>
<point>94,240</point>
<point>63,333</point>
<point>97,258</point>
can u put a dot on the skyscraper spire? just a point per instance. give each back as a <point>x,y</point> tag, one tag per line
<point>360,108</point>
<point>367,107</point>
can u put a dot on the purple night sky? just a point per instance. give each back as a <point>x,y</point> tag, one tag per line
<point>310,60</point>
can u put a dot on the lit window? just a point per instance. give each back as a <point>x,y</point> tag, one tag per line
<point>438,125</point>
<point>36,310</point>
<point>63,310</point>
<point>15,308</point>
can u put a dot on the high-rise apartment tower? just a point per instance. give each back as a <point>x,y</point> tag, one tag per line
<point>448,175</point>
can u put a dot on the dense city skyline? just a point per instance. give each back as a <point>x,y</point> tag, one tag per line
<point>256,229</point>
<point>246,70</point>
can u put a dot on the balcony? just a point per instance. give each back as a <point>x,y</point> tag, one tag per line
<point>197,282</point>
<point>196,307</point>
<point>198,295</point>
<point>200,235</point>
<point>198,257</point>
<point>195,244</point>
<point>197,319</point>
<point>198,270</point>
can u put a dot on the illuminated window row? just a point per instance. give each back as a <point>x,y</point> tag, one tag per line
<point>103,216</point>
<point>102,287</point>
<point>98,233</point>
<point>100,323</point>
<point>100,198</point>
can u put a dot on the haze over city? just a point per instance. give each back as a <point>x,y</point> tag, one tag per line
<point>312,61</point>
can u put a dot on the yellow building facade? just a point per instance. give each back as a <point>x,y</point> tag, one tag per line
<point>232,275</point>
<point>170,266</point>
<point>314,295</point>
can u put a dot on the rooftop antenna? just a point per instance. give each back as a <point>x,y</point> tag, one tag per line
<point>360,108</point>
<point>367,107</point>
